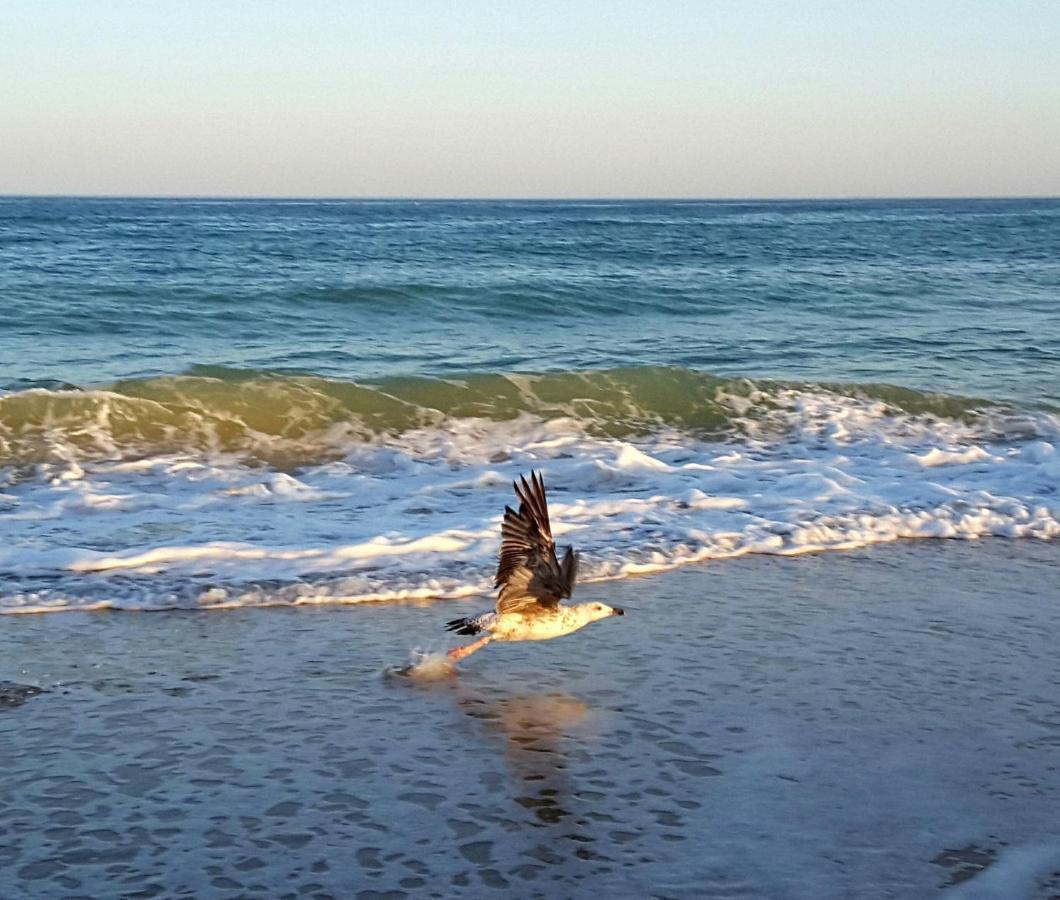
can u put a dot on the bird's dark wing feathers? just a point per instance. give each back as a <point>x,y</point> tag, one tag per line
<point>528,574</point>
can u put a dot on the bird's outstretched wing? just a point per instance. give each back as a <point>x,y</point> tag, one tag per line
<point>530,577</point>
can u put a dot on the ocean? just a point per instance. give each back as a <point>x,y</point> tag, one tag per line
<point>224,403</point>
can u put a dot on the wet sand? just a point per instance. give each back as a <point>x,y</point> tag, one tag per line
<point>878,724</point>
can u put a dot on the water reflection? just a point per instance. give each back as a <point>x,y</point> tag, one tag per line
<point>539,733</point>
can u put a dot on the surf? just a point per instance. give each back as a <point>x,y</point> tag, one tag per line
<point>289,420</point>
<point>324,491</point>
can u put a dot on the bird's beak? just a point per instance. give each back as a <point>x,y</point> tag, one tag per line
<point>616,611</point>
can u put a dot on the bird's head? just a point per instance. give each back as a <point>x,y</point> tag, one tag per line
<point>595,611</point>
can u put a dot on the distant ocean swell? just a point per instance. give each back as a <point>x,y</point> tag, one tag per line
<point>221,488</point>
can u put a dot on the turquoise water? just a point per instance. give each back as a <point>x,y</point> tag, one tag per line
<point>955,296</point>
<point>223,403</point>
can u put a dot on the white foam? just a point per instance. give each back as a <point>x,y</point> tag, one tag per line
<point>1014,876</point>
<point>937,457</point>
<point>419,515</point>
<point>426,667</point>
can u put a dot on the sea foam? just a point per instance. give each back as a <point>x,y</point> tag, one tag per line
<point>416,514</point>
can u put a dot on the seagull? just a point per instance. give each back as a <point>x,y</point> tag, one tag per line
<point>532,581</point>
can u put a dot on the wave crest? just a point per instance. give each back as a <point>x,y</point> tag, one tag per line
<point>287,420</point>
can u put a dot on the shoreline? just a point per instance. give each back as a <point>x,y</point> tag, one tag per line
<point>877,723</point>
<point>485,593</point>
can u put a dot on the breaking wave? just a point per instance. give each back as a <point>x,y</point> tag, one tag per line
<point>223,488</point>
<point>293,420</point>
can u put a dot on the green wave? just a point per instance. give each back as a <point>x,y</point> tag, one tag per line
<point>288,420</point>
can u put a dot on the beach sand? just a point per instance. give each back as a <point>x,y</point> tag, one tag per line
<point>882,723</point>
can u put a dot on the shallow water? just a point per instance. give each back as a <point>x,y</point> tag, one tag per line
<point>881,724</point>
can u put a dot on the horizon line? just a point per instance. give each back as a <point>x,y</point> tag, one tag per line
<point>401,198</point>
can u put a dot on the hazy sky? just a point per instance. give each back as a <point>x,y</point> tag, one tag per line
<point>528,99</point>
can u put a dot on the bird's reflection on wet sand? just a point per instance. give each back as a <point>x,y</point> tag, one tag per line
<point>536,729</point>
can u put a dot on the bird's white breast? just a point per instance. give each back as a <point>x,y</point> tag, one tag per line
<point>537,627</point>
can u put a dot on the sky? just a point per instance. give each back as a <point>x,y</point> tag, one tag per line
<point>498,98</point>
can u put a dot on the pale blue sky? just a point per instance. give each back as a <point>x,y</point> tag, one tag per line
<point>475,98</point>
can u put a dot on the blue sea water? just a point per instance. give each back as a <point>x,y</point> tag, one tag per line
<point>961,296</point>
<point>211,402</point>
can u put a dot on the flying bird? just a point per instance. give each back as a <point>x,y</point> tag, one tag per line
<point>532,581</point>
